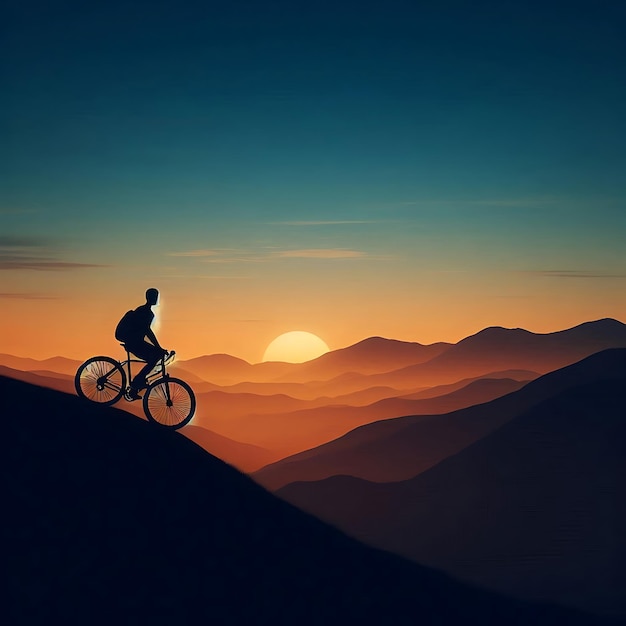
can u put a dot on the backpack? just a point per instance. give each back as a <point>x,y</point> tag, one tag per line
<point>127,327</point>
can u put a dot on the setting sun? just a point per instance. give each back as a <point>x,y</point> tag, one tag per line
<point>296,346</point>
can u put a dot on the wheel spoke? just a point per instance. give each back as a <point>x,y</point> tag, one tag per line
<point>100,380</point>
<point>181,401</point>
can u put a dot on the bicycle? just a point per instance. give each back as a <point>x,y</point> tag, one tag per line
<point>167,401</point>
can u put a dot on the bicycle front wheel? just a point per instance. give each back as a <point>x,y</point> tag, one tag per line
<point>100,379</point>
<point>169,402</point>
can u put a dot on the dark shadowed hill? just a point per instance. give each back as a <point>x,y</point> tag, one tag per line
<point>535,509</point>
<point>108,519</point>
<point>397,449</point>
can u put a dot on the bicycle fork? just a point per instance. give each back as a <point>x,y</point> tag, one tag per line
<point>168,398</point>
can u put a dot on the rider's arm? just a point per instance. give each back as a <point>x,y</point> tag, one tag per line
<point>152,337</point>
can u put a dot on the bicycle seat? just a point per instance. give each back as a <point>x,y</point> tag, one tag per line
<point>128,350</point>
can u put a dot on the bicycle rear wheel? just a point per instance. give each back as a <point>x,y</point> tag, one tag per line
<point>169,402</point>
<point>100,379</point>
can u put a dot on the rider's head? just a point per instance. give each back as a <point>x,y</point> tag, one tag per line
<point>152,296</point>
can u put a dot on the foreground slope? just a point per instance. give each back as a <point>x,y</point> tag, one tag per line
<point>536,509</point>
<point>110,519</point>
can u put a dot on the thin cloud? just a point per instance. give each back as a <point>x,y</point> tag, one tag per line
<point>37,254</point>
<point>43,265</point>
<point>516,202</point>
<point>27,296</point>
<point>323,222</point>
<point>12,241</point>
<point>204,276</point>
<point>201,253</point>
<point>320,253</point>
<point>573,274</point>
<point>266,255</point>
<point>9,211</point>
<point>222,255</point>
<point>252,258</point>
<point>512,202</point>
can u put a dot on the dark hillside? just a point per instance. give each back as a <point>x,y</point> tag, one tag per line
<point>108,519</point>
<point>535,509</point>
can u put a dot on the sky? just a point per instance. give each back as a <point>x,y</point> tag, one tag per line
<point>412,170</point>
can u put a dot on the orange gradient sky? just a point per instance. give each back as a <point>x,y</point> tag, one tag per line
<point>74,312</point>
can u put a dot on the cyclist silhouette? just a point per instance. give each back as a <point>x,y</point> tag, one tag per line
<point>133,328</point>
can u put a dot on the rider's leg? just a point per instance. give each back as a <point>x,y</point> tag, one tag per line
<point>151,355</point>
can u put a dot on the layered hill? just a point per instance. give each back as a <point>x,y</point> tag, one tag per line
<point>58,364</point>
<point>109,519</point>
<point>289,432</point>
<point>397,449</point>
<point>51,380</point>
<point>534,509</point>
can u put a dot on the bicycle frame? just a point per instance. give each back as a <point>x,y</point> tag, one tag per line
<point>151,376</point>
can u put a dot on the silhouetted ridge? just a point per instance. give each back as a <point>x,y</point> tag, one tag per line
<point>371,355</point>
<point>109,519</point>
<point>377,343</point>
<point>604,331</point>
<point>601,326</point>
